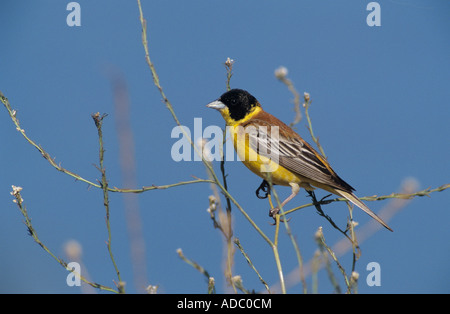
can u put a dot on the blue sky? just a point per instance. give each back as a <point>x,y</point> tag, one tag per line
<point>379,107</point>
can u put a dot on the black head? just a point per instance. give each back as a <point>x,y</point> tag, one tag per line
<point>239,103</point>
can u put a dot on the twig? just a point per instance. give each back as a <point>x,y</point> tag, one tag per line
<point>322,245</point>
<point>306,105</point>
<point>315,266</point>
<point>128,167</point>
<point>224,224</point>
<point>229,234</point>
<point>211,288</point>
<point>47,156</point>
<point>98,120</point>
<point>292,238</point>
<point>356,252</point>
<point>281,74</point>
<point>237,282</point>
<point>159,187</point>
<point>32,232</point>
<point>274,246</point>
<point>247,258</point>
<point>229,66</point>
<point>13,115</point>
<point>408,196</point>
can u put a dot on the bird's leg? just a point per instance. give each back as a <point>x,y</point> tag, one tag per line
<point>265,188</point>
<point>323,201</point>
<point>317,203</point>
<point>295,190</point>
<point>320,211</point>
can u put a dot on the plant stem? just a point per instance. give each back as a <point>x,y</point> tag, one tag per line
<point>104,184</point>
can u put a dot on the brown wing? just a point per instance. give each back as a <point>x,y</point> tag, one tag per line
<point>291,151</point>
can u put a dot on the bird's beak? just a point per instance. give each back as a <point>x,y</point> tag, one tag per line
<point>216,104</point>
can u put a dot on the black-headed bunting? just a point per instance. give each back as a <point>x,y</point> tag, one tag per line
<point>275,152</point>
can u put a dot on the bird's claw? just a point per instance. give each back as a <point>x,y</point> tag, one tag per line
<point>323,202</point>
<point>273,212</point>
<point>264,186</point>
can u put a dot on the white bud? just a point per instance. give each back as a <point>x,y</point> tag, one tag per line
<point>281,72</point>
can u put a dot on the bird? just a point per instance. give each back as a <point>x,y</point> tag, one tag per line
<point>274,151</point>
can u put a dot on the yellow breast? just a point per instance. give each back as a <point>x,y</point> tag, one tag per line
<point>260,165</point>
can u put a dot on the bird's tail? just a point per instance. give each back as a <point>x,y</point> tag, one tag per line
<point>355,200</point>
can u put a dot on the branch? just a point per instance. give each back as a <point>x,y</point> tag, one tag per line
<point>211,287</point>
<point>323,246</point>
<point>407,196</point>
<point>98,120</point>
<point>247,258</point>
<point>281,74</point>
<point>32,232</point>
<point>13,115</point>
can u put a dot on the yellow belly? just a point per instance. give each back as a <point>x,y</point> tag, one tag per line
<point>262,166</point>
<point>280,176</point>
